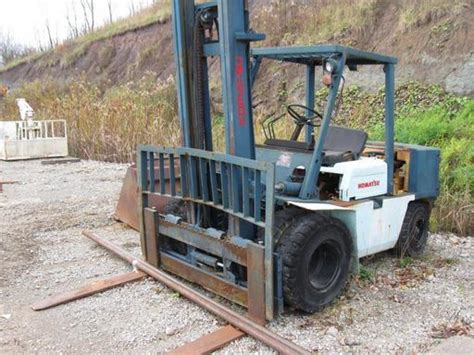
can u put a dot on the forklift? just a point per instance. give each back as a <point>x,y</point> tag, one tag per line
<point>283,223</point>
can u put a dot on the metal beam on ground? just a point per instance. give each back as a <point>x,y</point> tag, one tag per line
<point>239,321</point>
<point>60,161</point>
<point>88,290</point>
<point>209,342</point>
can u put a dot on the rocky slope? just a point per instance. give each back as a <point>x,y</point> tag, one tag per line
<point>433,40</point>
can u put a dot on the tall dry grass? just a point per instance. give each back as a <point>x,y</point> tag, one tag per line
<point>108,124</point>
<point>313,21</point>
<point>105,125</point>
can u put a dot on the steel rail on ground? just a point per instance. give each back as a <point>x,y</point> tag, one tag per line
<point>253,329</point>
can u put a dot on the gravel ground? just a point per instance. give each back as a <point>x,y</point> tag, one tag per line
<point>390,308</point>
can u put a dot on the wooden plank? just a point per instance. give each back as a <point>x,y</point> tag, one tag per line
<point>256,282</point>
<point>151,236</point>
<point>210,342</point>
<point>405,155</point>
<point>5,183</point>
<point>88,290</point>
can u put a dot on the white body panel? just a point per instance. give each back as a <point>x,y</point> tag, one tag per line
<point>372,229</point>
<point>366,177</point>
<point>33,139</point>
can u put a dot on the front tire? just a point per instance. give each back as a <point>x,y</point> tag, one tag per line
<point>316,252</point>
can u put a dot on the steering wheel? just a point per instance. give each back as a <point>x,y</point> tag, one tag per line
<point>300,118</point>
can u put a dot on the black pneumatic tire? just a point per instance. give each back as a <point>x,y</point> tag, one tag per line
<point>414,232</point>
<point>283,220</point>
<point>316,252</point>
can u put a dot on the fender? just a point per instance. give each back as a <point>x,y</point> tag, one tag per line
<point>374,225</point>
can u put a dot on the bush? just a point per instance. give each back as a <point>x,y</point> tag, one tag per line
<point>449,125</point>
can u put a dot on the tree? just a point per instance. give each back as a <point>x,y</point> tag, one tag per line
<point>90,4</point>
<point>10,50</point>
<point>109,7</point>
<point>131,8</point>
<point>71,19</point>
<point>89,14</point>
<point>51,40</point>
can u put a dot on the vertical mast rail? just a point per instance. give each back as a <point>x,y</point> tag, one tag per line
<point>389,122</point>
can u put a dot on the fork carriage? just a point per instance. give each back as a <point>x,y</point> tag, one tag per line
<point>238,187</point>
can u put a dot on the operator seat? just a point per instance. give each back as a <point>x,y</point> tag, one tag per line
<point>342,144</point>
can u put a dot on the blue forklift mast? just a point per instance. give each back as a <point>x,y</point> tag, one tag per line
<point>211,179</point>
<point>233,49</point>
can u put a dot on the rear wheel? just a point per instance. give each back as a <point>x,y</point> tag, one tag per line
<point>316,252</point>
<point>414,233</point>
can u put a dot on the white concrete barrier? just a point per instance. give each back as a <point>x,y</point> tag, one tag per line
<point>33,139</point>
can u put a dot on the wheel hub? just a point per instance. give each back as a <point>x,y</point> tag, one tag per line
<point>324,265</point>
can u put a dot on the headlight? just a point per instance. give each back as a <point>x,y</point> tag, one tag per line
<point>330,66</point>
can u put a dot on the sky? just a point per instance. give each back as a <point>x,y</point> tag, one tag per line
<point>25,20</point>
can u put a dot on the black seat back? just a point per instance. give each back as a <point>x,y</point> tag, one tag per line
<point>341,139</point>
<point>338,139</point>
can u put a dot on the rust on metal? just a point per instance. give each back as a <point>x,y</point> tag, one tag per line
<point>343,203</point>
<point>237,320</point>
<point>151,236</point>
<point>209,342</point>
<point>256,282</point>
<point>127,206</point>
<point>189,235</point>
<point>205,279</point>
<point>88,290</point>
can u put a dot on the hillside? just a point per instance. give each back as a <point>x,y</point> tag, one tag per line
<point>433,39</point>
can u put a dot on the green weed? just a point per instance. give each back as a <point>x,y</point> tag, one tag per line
<point>448,125</point>
<point>366,274</point>
<point>406,261</point>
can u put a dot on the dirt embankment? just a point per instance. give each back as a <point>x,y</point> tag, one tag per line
<point>434,43</point>
<point>119,59</point>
